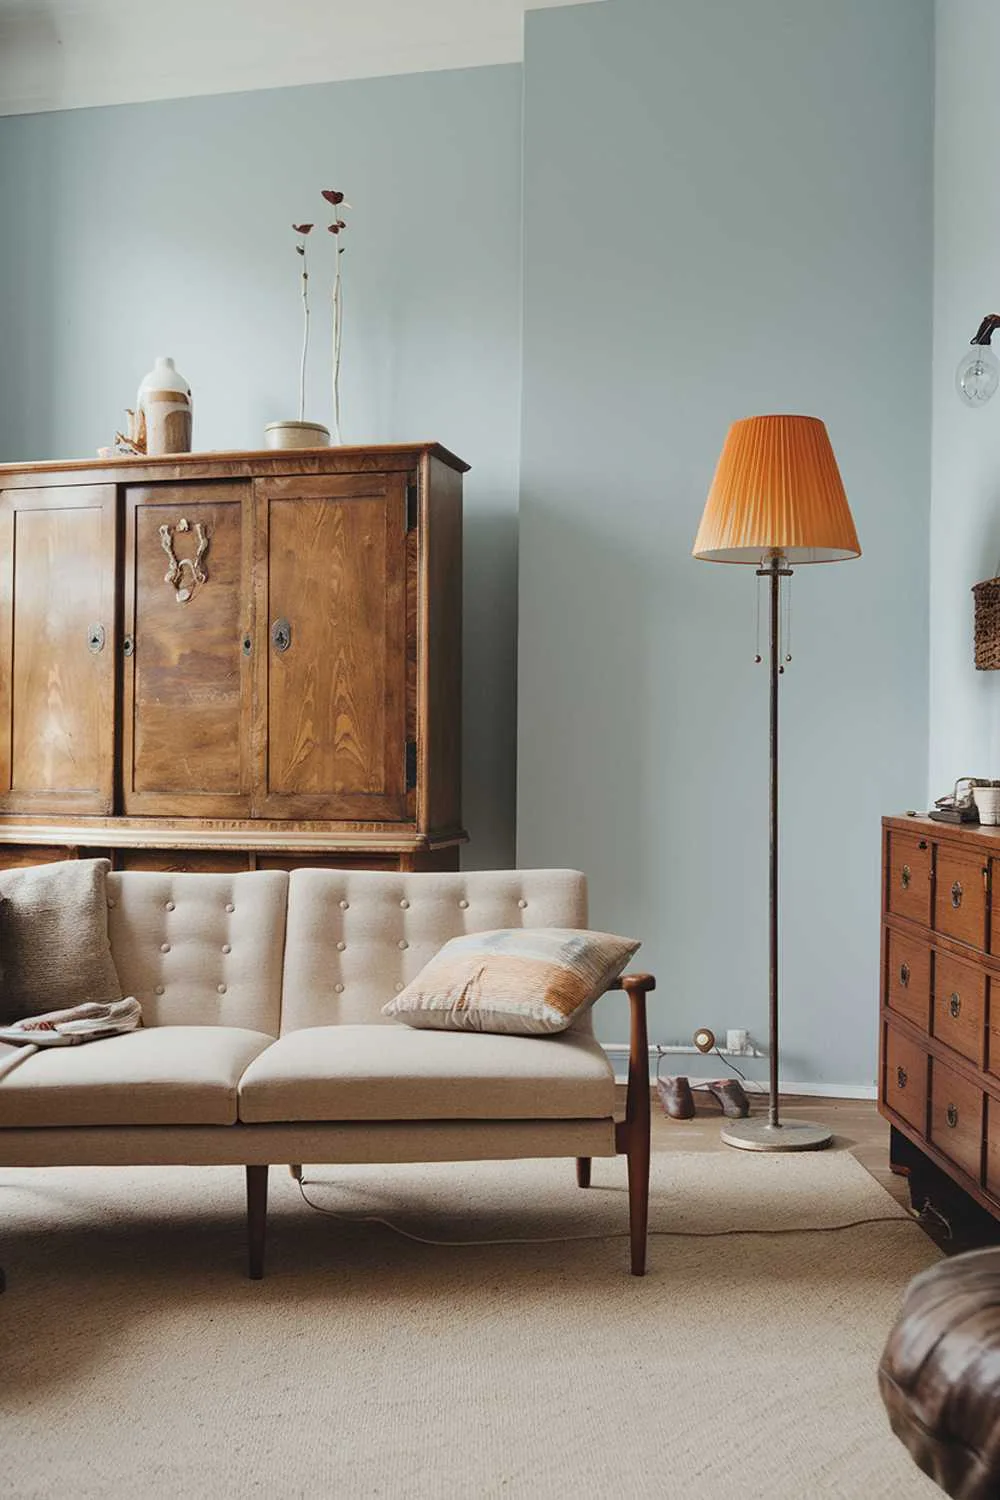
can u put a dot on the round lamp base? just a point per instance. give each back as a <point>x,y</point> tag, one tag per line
<point>790,1135</point>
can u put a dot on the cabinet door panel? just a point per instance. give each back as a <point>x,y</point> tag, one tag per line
<point>188,687</point>
<point>331,673</point>
<point>57,649</point>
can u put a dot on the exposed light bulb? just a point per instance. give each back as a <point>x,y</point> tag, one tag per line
<point>978,375</point>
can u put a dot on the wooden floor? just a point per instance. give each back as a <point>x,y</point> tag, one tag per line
<point>858,1126</point>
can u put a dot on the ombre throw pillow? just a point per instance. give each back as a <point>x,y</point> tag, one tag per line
<point>522,981</point>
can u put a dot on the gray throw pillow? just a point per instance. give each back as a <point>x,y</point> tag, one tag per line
<point>54,938</point>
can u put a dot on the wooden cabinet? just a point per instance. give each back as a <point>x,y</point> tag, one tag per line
<point>243,657</point>
<point>939,1079</point>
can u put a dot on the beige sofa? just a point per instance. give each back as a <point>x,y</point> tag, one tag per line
<point>264,1040</point>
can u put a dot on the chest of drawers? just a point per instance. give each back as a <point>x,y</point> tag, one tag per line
<point>939,1056</point>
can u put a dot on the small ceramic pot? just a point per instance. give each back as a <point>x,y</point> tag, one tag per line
<point>296,435</point>
<point>987,799</point>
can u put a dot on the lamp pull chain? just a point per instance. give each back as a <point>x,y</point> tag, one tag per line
<point>758,657</point>
<point>788,619</point>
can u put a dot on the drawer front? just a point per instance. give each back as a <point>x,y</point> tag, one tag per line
<point>908,887</point>
<point>960,1006</point>
<point>960,896</point>
<point>908,978</point>
<point>957,1118</point>
<point>905,1083</point>
<point>993,1147</point>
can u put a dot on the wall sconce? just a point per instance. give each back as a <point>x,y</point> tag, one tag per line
<point>978,373</point>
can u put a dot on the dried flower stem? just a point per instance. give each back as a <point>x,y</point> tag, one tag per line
<point>338,326</point>
<point>305,335</point>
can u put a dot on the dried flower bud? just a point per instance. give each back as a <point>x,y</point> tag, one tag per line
<point>302,228</point>
<point>332,196</point>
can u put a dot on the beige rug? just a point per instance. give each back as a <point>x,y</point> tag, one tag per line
<point>136,1360</point>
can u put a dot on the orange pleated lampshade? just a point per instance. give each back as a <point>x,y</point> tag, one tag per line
<point>777,489</point>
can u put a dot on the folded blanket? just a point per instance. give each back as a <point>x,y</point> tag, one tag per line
<point>78,1023</point>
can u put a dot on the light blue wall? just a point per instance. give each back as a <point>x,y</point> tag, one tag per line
<point>965,495</point>
<point>165,228</point>
<point>727,211</point>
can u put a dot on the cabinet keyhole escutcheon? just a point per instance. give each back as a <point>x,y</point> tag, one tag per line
<point>95,638</point>
<point>246,645</point>
<point>281,635</point>
<point>955,1005</point>
<point>956,894</point>
<point>904,975</point>
<point>952,1116</point>
<point>905,876</point>
<point>901,1078</point>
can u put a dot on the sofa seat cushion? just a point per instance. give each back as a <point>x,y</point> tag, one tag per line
<point>160,1075</point>
<point>381,1072</point>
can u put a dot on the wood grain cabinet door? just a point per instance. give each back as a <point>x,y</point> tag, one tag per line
<point>57,649</point>
<point>188,687</point>
<point>331,669</point>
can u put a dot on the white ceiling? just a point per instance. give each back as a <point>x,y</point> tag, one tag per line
<point>65,54</point>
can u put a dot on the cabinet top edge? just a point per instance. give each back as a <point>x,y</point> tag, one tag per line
<point>237,463</point>
<point>955,832</point>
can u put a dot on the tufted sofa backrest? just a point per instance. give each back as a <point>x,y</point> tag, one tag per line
<point>200,950</point>
<point>355,938</point>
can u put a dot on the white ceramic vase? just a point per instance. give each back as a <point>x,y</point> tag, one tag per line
<point>296,435</point>
<point>164,408</point>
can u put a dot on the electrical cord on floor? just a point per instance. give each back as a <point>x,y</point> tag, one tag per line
<point>613,1234</point>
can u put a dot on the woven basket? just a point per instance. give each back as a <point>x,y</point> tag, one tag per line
<point>987,598</point>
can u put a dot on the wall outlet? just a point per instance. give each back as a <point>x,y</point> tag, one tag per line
<point>738,1041</point>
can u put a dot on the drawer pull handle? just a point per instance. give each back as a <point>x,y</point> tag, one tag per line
<point>901,1078</point>
<point>956,894</point>
<point>955,1005</point>
<point>904,975</point>
<point>905,876</point>
<point>951,1116</point>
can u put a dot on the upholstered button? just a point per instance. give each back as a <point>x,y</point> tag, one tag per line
<point>345,905</point>
<point>170,906</point>
<point>227,948</point>
<point>164,947</point>
<point>405,904</point>
<point>158,990</point>
<point>230,906</point>
<point>403,943</point>
<point>522,903</point>
<point>398,988</point>
<point>221,988</point>
<point>463,903</point>
<point>339,988</point>
<point>341,947</point>
<point>111,906</point>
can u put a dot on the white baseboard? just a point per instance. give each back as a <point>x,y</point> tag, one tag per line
<point>754,1086</point>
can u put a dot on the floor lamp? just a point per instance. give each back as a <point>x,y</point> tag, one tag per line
<point>777,500</point>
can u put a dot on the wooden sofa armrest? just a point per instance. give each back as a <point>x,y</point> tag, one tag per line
<point>637,987</point>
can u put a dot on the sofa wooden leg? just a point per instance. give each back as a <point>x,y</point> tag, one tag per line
<point>583,1171</point>
<point>638,1197</point>
<point>256,1220</point>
